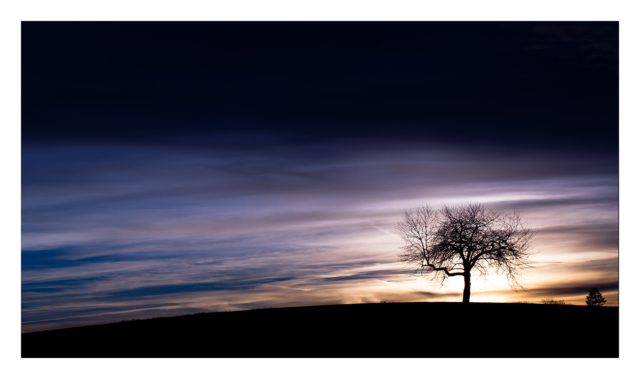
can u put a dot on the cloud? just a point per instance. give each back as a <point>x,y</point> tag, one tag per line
<point>128,226</point>
<point>133,294</point>
<point>360,276</point>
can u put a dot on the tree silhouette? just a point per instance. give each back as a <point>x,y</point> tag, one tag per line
<point>595,298</point>
<point>463,240</point>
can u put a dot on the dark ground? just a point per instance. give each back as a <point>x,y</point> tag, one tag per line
<point>443,330</point>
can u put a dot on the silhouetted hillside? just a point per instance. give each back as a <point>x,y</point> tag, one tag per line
<point>479,330</point>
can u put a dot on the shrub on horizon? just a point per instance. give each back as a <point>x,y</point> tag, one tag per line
<point>550,300</point>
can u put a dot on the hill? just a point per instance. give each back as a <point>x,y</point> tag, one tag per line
<point>447,330</point>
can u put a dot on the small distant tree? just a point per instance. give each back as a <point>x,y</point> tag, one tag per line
<point>595,298</point>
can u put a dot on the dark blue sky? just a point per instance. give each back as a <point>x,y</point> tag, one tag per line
<point>169,168</point>
<point>536,85</point>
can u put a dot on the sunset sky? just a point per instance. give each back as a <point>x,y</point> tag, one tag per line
<point>176,168</point>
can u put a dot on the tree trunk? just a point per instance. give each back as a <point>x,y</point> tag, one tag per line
<point>467,288</point>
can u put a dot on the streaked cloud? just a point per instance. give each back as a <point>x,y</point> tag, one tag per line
<point>114,229</point>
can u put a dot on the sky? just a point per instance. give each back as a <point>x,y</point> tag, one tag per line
<point>176,168</point>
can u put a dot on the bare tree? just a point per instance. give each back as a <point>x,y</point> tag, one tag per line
<point>463,240</point>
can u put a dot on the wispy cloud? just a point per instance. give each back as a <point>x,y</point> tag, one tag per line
<point>114,229</point>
